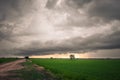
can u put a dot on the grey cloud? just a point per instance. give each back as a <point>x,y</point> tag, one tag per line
<point>10,9</point>
<point>77,3</point>
<point>87,21</point>
<point>12,13</point>
<point>106,9</point>
<point>78,44</point>
<point>6,31</point>
<point>76,14</point>
<point>51,4</point>
<point>97,12</point>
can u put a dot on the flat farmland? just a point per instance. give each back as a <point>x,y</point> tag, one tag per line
<point>66,69</point>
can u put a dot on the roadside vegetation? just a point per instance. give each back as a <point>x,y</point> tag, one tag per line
<point>66,69</point>
<point>4,60</point>
<point>29,72</point>
<point>33,72</point>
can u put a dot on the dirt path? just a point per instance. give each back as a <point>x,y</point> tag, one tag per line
<point>7,67</point>
<point>7,71</point>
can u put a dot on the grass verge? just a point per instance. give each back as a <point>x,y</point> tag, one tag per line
<point>28,72</point>
<point>4,60</point>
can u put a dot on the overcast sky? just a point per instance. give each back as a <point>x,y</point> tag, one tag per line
<point>38,27</point>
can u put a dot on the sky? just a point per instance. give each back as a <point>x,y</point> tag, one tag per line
<point>59,27</point>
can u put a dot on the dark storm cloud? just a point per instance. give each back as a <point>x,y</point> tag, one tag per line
<point>51,3</point>
<point>17,39</point>
<point>77,3</point>
<point>78,44</point>
<point>71,3</point>
<point>107,9</point>
<point>96,12</point>
<point>5,32</point>
<point>10,12</point>
<point>10,9</point>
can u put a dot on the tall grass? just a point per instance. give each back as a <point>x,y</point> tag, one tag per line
<point>66,69</point>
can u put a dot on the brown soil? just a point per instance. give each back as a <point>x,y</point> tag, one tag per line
<point>5,70</point>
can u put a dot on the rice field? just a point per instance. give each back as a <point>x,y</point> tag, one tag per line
<point>65,69</point>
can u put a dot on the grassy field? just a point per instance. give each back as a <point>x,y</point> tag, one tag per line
<point>4,60</point>
<point>65,69</point>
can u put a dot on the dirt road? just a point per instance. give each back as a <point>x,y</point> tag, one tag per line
<point>5,69</point>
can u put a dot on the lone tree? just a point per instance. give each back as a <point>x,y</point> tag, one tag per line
<point>51,57</point>
<point>72,56</point>
<point>26,57</point>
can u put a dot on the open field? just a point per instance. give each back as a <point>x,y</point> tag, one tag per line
<point>65,69</point>
<point>61,69</point>
<point>4,60</point>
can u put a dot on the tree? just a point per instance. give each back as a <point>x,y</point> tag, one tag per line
<point>72,56</point>
<point>51,57</point>
<point>26,57</point>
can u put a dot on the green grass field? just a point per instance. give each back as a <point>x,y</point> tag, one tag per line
<point>65,69</point>
<point>4,60</point>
